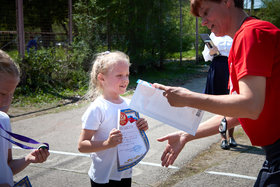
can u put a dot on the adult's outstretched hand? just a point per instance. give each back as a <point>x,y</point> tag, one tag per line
<point>175,144</point>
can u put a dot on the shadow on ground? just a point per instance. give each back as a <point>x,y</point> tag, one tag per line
<point>247,149</point>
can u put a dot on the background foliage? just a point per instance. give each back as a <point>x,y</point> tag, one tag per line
<point>270,12</point>
<point>148,31</point>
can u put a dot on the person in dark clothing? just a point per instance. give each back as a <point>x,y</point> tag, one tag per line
<point>218,76</point>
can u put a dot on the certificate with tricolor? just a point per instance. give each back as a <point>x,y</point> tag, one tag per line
<point>135,143</point>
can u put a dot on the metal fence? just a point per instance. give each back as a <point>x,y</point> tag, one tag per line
<point>17,34</point>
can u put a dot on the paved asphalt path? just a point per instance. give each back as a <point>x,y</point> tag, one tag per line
<point>67,167</point>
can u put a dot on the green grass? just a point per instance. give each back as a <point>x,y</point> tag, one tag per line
<point>41,98</point>
<point>60,52</point>
<point>185,54</point>
<point>172,74</point>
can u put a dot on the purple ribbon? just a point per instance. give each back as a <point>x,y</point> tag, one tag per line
<point>23,139</point>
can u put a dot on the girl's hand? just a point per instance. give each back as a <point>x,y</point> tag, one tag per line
<point>142,124</point>
<point>115,137</point>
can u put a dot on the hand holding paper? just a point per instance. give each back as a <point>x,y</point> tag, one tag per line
<point>115,137</point>
<point>142,124</point>
<point>173,94</point>
<point>151,102</point>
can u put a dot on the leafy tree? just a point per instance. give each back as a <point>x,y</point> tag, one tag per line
<point>270,12</point>
<point>146,30</point>
<point>43,14</point>
<point>7,23</point>
<point>7,15</point>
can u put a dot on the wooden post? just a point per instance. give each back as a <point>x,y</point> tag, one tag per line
<point>252,7</point>
<point>20,28</point>
<point>70,21</point>
<point>196,39</point>
<point>180,32</point>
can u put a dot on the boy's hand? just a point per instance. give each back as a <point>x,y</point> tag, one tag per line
<point>142,124</point>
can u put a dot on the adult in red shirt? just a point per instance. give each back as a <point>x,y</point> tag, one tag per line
<point>256,52</point>
<point>254,64</point>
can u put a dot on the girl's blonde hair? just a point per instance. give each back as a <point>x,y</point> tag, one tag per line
<point>7,65</point>
<point>101,64</point>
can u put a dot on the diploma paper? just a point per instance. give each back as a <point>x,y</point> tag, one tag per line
<point>151,102</point>
<point>135,143</point>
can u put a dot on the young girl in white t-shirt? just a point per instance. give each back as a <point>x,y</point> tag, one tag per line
<point>109,79</point>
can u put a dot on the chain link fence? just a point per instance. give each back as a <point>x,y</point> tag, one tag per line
<point>38,31</point>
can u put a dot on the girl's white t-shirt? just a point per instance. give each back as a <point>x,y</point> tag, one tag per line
<point>6,174</point>
<point>102,116</point>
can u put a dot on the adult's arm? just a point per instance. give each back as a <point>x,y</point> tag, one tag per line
<point>247,104</point>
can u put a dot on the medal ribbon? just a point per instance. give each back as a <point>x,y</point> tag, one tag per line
<point>23,139</point>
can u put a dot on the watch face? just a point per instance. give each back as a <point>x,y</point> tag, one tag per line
<point>223,126</point>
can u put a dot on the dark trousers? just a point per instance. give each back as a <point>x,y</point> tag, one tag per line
<point>112,183</point>
<point>269,175</point>
<point>218,76</point>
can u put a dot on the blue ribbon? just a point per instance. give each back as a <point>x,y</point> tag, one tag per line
<point>23,139</point>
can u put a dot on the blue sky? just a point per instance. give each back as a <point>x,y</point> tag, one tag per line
<point>257,4</point>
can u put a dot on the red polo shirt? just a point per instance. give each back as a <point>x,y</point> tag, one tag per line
<point>256,51</point>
